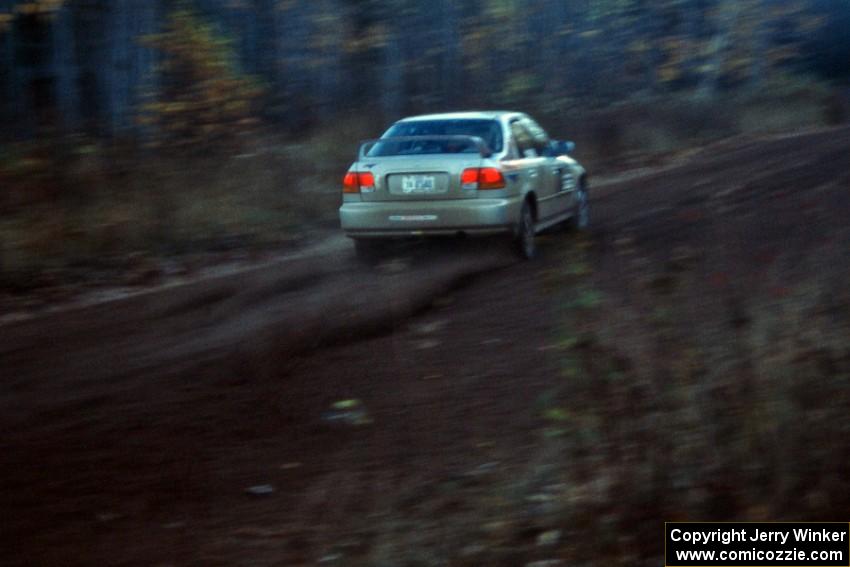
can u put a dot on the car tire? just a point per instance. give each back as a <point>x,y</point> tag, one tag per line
<point>580,221</point>
<point>524,242</point>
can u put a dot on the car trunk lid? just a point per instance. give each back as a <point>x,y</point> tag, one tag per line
<point>419,168</point>
<point>418,179</point>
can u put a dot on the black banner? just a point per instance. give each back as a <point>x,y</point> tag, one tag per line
<point>757,544</point>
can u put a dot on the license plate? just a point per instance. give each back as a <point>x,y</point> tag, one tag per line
<point>418,184</point>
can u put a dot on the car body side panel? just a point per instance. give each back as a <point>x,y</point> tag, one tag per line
<point>521,178</point>
<point>568,165</point>
<point>551,200</point>
<point>525,168</point>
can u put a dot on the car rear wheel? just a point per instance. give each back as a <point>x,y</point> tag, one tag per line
<point>581,213</point>
<point>524,241</point>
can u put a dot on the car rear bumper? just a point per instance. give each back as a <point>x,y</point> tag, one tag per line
<point>424,218</point>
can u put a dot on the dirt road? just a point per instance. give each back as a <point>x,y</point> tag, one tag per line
<point>132,429</point>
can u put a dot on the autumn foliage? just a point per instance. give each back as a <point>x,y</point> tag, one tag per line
<point>204,101</point>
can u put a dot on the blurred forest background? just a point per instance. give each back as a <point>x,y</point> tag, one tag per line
<point>151,128</point>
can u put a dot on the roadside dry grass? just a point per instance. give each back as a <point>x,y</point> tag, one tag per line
<point>78,209</point>
<point>708,383</point>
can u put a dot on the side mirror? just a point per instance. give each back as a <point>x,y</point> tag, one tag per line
<point>557,148</point>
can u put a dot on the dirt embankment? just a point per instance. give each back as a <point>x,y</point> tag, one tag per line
<point>133,428</point>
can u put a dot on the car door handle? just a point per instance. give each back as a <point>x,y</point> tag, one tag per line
<point>533,173</point>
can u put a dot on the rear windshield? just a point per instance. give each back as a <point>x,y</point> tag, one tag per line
<point>488,130</point>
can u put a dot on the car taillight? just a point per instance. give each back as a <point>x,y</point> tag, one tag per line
<point>490,178</point>
<point>482,178</point>
<point>354,181</point>
<point>366,180</point>
<point>351,184</point>
<point>469,178</point>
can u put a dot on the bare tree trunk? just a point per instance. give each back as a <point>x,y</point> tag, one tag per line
<point>327,79</point>
<point>552,52</point>
<point>10,86</point>
<point>266,47</point>
<point>727,21</point>
<point>108,72</point>
<point>146,85</point>
<point>297,71</point>
<point>760,40</point>
<point>247,30</point>
<point>392,73</point>
<point>65,68</point>
<point>449,68</point>
<point>647,17</point>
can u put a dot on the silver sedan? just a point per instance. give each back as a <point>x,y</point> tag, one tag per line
<point>463,173</point>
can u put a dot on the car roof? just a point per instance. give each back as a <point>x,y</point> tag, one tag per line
<point>469,115</point>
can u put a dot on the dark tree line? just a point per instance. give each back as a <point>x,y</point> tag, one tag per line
<point>84,64</point>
